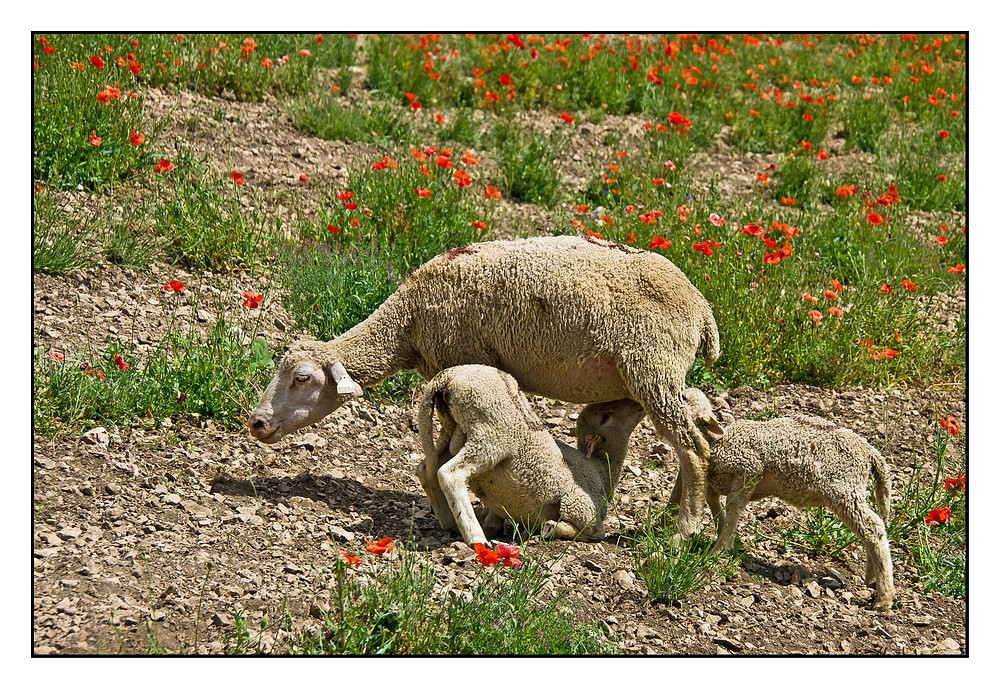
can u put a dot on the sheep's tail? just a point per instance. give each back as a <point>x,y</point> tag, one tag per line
<point>883,485</point>
<point>710,338</point>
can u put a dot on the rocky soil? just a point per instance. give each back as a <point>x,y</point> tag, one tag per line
<point>125,521</point>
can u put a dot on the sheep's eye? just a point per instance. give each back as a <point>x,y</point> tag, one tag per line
<point>302,377</point>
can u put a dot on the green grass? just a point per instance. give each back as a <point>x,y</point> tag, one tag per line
<point>672,571</point>
<point>217,376</point>
<point>396,611</point>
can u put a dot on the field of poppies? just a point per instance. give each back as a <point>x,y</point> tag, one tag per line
<point>263,187</point>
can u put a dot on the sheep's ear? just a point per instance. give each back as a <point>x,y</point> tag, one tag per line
<point>345,386</point>
<point>590,440</point>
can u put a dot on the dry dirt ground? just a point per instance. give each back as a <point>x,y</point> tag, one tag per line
<point>123,528</point>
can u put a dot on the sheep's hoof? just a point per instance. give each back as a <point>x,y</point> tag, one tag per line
<point>549,529</point>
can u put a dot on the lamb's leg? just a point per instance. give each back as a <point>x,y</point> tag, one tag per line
<point>577,518</point>
<point>718,514</point>
<point>860,518</point>
<point>736,503</point>
<point>427,473</point>
<point>472,460</point>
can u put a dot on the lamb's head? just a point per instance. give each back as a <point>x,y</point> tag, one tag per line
<point>607,423</point>
<point>304,389</point>
<point>702,415</point>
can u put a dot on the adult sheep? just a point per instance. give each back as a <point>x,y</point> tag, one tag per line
<point>576,319</point>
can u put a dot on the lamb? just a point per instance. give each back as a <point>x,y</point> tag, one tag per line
<point>492,441</point>
<point>571,318</point>
<point>806,461</point>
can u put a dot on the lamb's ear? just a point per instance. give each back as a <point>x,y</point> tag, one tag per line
<point>345,386</point>
<point>712,426</point>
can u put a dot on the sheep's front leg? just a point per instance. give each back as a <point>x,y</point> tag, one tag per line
<point>472,460</point>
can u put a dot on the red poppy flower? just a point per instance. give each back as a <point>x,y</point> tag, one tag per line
<point>345,195</point>
<point>950,425</point>
<point>912,287</point>
<point>504,79</point>
<point>174,286</point>
<point>382,547</point>
<point>491,192</point>
<point>237,177</point>
<point>875,219</point>
<point>415,105</point>
<point>954,484</point>
<point>163,166</point>
<point>943,134</point>
<point>837,286</point>
<point>716,220</point>
<point>136,139</point>
<point>938,516</point>
<point>508,554</point>
<point>591,233</point>
<point>352,560</point>
<point>97,61</point>
<point>485,556</point>
<point>834,311</point>
<point>94,138</point>
<point>787,201</point>
<point>583,209</point>
<point>659,243</point>
<point>942,240</point>
<point>566,117</point>
<point>55,355</point>
<point>886,289</point>
<point>816,315</point>
<point>303,178</point>
<point>830,294</point>
<point>333,229</point>
<point>252,300</point>
<point>809,297</point>
<point>469,159</point>
<point>422,192</point>
<point>960,268</point>
<point>443,161</point>
<point>478,224</point>
<point>120,362</point>
<point>752,229</point>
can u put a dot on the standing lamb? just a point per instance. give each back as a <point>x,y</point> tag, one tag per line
<point>575,319</point>
<point>492,442</point>
<point>806,461</point>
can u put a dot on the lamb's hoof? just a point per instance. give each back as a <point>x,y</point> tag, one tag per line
<point>882,604</point>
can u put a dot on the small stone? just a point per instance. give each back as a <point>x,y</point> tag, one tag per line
<point>222,619</point>
<point>949,645</point>
<point>921,620</point>
<point>45,463</point>
<point>728,644</point>
<point>644,632</point>
<point>172,498</point>
<point>310,441</point>
<point>814,589</point>
<point>624,578</point>
<point>340,535</point>
<point>69,533</point>
<point>97,437</point>
<point>592,566</point>
<point>634,470</point>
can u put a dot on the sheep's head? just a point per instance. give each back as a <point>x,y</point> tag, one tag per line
<point>302,392</point>
<point>612,421</point>
<point>702,415</point>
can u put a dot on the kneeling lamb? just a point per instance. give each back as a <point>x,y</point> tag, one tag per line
<point>492,442</point>
<point>806,461</point>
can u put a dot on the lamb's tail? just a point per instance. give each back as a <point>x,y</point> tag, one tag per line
<point>433,398</point>
<point>883,485</point>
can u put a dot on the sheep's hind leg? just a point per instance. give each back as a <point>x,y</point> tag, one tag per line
<point>661,399</point>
